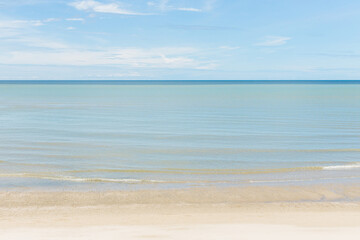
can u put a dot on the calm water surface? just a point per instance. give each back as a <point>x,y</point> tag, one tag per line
<point>168,136</point>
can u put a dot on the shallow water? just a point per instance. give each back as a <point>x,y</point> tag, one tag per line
<point>94,136</point>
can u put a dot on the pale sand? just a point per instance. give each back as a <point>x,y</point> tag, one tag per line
<point>316,212</point>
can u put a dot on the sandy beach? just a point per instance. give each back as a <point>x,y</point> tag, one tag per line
<point>330,212</point>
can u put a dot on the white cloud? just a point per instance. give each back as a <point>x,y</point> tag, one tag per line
<point>171,58</point>
<point>21,32</point>
<point>51,20</point>
<point>189,9</point>
<point>20,23</point>
<point>12,28</point>
<point>41,43</point>
<point>229,47</point>
<point>24,24</point>
<point>91,5</point>
<point>164,6</point>
<point>117,75</point>
<point>209,66</point>
<point>24,44</point>
<point>75,19</point>
<point>272,41</point>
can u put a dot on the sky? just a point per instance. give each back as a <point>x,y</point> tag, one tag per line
<point>179,39</point>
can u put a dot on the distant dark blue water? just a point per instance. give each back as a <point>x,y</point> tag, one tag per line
<point>175,82</point>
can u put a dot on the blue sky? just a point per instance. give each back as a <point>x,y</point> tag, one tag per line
<point>182,39</point>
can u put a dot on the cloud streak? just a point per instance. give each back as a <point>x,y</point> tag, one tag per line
<point>189,9</point>
<point>21,33</point>
<point>75,19</point>
<point>94,6</point>
<point>165,6</point>
<point>167,58</point>
<point>202,27</point>
<point>230,47</point>
<point>273,41</point>
<point>16,24</point>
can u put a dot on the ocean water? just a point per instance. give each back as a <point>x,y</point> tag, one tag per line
<point>135,136</point>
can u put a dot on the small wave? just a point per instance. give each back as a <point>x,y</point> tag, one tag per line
<point>184,171</point>
<point>342,167</point>
<point>301,180</point>
<point>78,179</point>
<point>109,180</point>
<point>232,151</point>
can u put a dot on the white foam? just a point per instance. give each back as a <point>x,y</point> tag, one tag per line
<point>342,167</point>
<point>109,180</point>
<point>301,180</point>
<point>78,179</point>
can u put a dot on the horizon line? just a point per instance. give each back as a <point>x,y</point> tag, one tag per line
<point>175,82</point>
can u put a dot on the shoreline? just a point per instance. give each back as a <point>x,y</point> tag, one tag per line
<point>319,193</point>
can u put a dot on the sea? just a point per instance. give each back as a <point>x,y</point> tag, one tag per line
<point>129,135</point>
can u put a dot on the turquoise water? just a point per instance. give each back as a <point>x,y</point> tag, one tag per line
<point>95,137</point>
